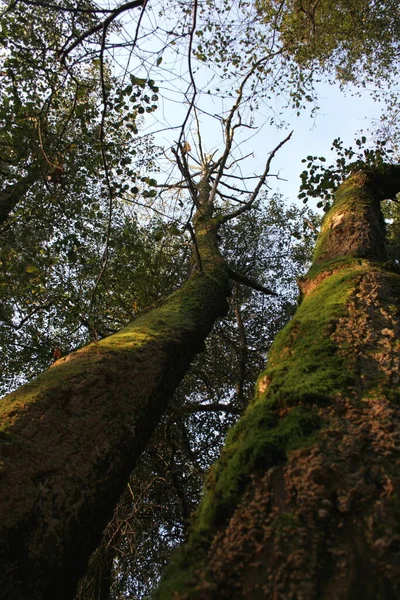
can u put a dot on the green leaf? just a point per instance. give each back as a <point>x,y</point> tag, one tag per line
<point>31,269</point>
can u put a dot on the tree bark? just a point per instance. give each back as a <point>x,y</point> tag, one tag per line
<point>11,194</point>
<point>304,503</point>
<point>70,438</point>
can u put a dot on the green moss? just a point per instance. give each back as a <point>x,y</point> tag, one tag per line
<point>330,266</point>
<point>349,199</point>
<point>304,365</point>
<point>356,206</point>
<point>183,312</point>
<point>307,367</point>
<point>259,441</point>
<point>304,370</point>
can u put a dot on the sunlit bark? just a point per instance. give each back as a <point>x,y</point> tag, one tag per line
<point>304,502</point>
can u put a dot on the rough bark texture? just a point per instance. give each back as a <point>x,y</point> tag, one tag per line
<point>70,439</point>
<point>304,503</point>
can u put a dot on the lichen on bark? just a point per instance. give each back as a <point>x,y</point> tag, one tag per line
<point>304,500</point>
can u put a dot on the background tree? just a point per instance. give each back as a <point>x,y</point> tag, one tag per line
<point>358,41</point>
<point>354,42</point>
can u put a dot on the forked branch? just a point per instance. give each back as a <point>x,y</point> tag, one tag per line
<point>248,205</point>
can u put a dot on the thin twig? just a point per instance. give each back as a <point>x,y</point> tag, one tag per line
<point>191,75</point>
<point>107,177</point>
<point>242,350</point>
<point>57,7</point>
<point>258,187</point>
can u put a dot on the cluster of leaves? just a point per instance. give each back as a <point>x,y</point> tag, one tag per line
<point>357,40</point>
<point>67,167</point>
<point>47,282</point>
<point>64,124</point>
<point>321,181</point>
<point>44,111</point>
<point>273,245</point>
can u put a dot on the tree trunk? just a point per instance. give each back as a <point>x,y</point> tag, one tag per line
<point>70,438</point>
<point>304,503</point>
<point>11,194</point>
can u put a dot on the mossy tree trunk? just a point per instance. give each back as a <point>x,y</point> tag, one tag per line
<point>70,438</point>
<point>304,503</point>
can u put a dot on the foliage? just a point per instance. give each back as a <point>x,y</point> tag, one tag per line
<point>46,285</point>
<point>358,40</point>
<point>320,181</point>
<point>352,42</point>
<point>67,178</point>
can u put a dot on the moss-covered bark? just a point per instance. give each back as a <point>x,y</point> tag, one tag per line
<point>304,503</point>
<point>70,438</point>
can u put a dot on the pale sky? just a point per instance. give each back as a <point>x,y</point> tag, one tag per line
<point>339,116</point>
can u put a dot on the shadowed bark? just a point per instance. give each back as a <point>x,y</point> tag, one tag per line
<point>70,438</point>
<point>11,194</point>
<point>304,503</point>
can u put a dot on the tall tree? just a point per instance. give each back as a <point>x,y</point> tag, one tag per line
<point>304,500</point>
<point>154,513</point>
<point>72,436</point>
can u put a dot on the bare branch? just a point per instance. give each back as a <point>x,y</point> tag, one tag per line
<point>102,26</point>
<point>214,407</point>
<point>107,177</point>
<point>191,75</point>
<point>228,197</point>
<point>183,167</point>
<point>229,128</point>
<point>239,278</point>
<point>237,160</point>
<point>258,187</point>
<point>234,189</point>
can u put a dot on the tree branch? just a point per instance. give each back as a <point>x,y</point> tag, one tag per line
<point>239,278</point>
<point>214,407</point>
<point>242,350</point>
<point>258,187</point>
<point>58,8</point>
<point>102,26</point>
